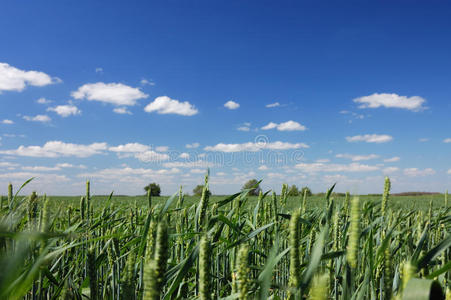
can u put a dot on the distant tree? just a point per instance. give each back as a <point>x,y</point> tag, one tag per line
<point>293,191</point>
<point>155,189</point>
<point>250,184</point>
<point>306,189</point>
<point>197,191</point>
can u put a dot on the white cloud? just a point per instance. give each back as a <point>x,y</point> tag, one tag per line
<point>448,140</point>
<point>99,70</point>
<point>122,111</point>
<point>162,148</point>
<point>270,125</point>
<point>166,105</point>
<point>65,110</point>
<point>275,104</point>
<point>370,138</point>
<point>393,159</point>
<point>323,167</point>
<point>13,79</point>
<point>285,126</point>
<point>43,100</point>
<point>423,140</point>
<point>114,93</point>
<point>8,165</point>
<point>40,168</point>
<point>130,148</point>
<point>151,156</point>
<point>449,171</point>
<point>390,170</point>
<point>414,172</point>
<point>198,171</point>
<point>192,146</point>
<point>22,176</point>
<point>7,122</point>
<point>323,160</point>
<point>231,104</point>
<point>245,127</point>
<point>414,103</point>
<point>38,118</point>
<point>57,149</point>
<point>147,82</point>
<point>357,157</point>
<point>263,168</point>
<point>184,155</point>
<point>221,147</point>
<point>189,164</point>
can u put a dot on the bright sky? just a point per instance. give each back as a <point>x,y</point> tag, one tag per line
<point>301,92</point>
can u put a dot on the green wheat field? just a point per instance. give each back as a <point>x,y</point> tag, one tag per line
<point>327,246</point>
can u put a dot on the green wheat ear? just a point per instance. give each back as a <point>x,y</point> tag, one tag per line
<point>10,195</point>
<point>128,290</point>
<point>319,288</point>
<point>353,243</point>
<point>155,269</point>
<point>385,196</point>
<point>243,272</point>
<point>295,263</point>
<point>204,269</point>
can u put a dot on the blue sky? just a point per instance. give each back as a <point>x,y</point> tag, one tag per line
<point>302,92</point>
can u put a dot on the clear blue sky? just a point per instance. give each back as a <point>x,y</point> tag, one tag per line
<point>129,92</point>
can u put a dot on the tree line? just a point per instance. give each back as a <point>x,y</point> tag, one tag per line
<point>253,184</point>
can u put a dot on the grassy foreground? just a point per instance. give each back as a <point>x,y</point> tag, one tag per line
<point>225,247</point>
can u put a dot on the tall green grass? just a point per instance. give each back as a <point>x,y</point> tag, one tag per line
<point>226,247</point>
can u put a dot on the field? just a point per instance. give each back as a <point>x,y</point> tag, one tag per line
<point>225,247</point>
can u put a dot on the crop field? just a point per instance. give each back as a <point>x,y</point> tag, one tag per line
<point>239,246</point>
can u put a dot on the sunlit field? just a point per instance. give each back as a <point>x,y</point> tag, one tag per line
<point>326,246</point>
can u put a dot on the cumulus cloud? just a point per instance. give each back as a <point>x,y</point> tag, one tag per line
<point>22,176</point>
<point>393,159</point>
<point>166,105</point>
<point>449,171</point>
<point>43,100</point>
<point>130,148</point>
<point>127,174</point>
<point>414,103</point>
<point>189,164</point>
<point>13,79</point>
<point>263,168</point>
<point>151,156</point>
<point>285,126</point>
<point>253,147</point>
<point>275,104</point>
<point>390,170</point>
<point>7,122</point>
<point>58,149</point>
<point>192,146</point>
<point>448,140</point>
<point>113,93</point>
<point>184,155</point>
<point>245,127</point>
<point>122,111</point>
<point>357,157</point>
<point>324,167</point>
<point>423,140</point>
<point>231,105</point>
<point>65,110</point>
<point>415,172</point>
<point>147,82</point>
<point>162,148</point>
<point>38,118</point>
<point>370,138</point>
